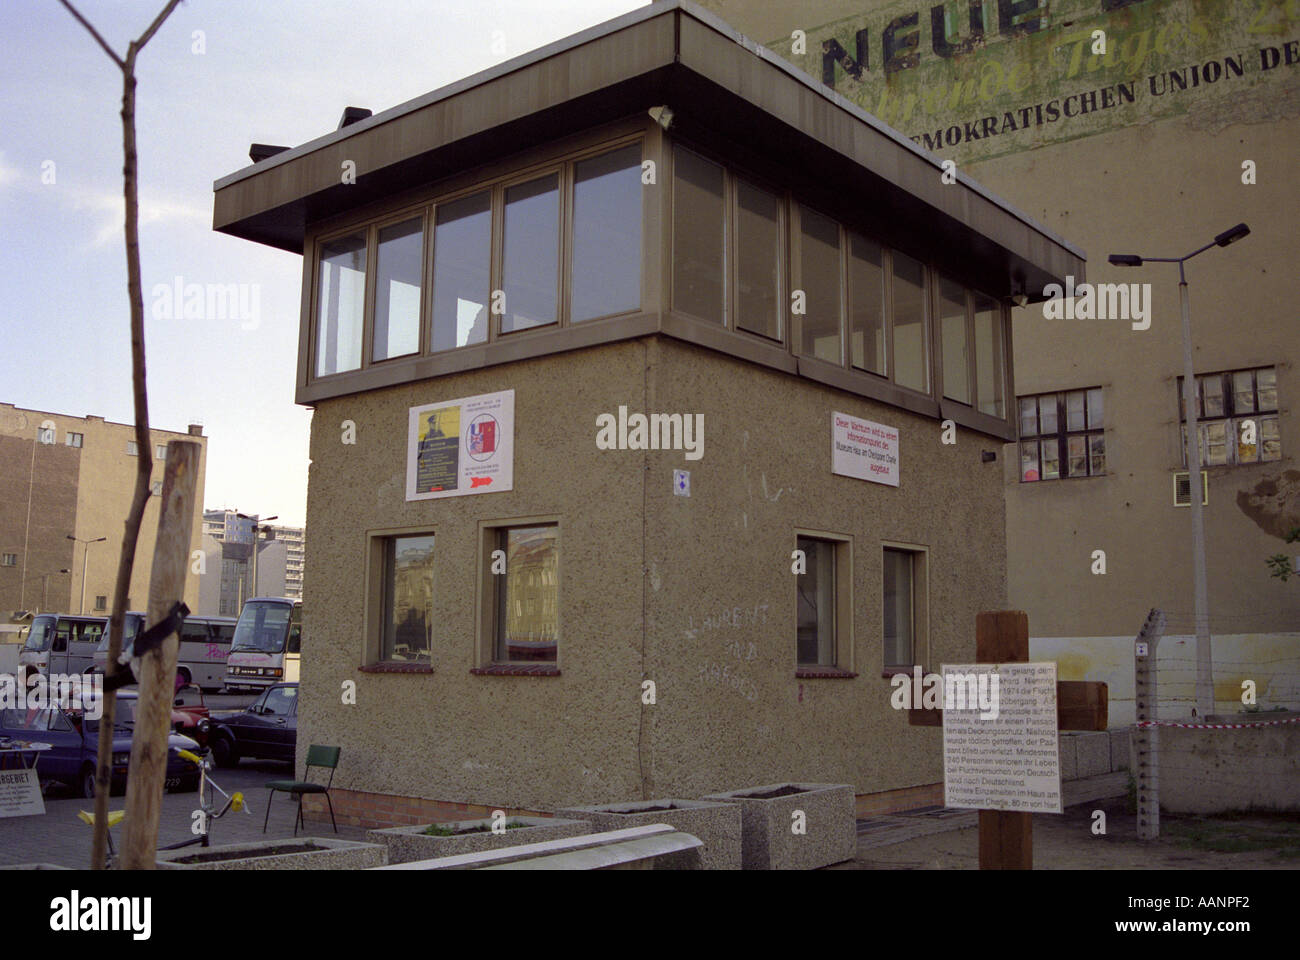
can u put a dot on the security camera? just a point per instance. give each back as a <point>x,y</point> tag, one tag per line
<point>1020,299</point>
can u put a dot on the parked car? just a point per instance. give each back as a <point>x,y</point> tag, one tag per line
<point>267,729</point>
<point>74,746</point>
<point>190,714</point>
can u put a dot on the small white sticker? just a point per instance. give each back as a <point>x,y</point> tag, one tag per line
<point>682,483</point>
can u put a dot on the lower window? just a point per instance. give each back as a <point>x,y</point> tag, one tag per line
<point>904,607</point>
<point>526,623</point>
<point>407,625</point>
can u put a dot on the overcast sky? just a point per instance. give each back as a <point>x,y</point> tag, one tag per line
<point>270,71</point>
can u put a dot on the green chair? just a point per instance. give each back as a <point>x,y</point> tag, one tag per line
<point>326,758</point>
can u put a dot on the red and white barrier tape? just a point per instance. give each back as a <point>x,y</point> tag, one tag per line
<point>1216,726</point>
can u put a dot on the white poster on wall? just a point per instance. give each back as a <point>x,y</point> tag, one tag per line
<point>863,449</point>
<point>20,793</point>
<point>460,447</point>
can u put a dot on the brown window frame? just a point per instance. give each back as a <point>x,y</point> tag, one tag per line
<point>1230,417</point>
<point>1061,434</point>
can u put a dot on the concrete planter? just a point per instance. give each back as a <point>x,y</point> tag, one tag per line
<point>716,824</point>
<point>409,844</point>
<point>304,853</point>
<point>767,817</point>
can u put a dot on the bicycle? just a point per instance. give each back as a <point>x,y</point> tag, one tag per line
<point>207,807</point>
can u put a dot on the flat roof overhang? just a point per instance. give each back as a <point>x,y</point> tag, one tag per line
<point>725,91</point>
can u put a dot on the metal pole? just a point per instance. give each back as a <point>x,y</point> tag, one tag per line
<point>85,555</point>
<point>1204,658</point>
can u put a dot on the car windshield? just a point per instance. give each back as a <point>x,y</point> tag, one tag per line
<point>263,627</point>
<point>124,715</point>
<point>129,629</point>
<point>38,637</point>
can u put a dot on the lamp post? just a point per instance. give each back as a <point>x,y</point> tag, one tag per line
<point>257,525</point>
<point>85,555</point>
<point>45,586</point>
<point>1204,657</point>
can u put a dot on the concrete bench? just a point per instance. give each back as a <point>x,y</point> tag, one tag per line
<point>656,846</point>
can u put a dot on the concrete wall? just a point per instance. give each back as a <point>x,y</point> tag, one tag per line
<point>1211,771</point>
<point>642,575</point>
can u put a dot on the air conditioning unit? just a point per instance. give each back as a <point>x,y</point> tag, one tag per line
<point>1182,488</point>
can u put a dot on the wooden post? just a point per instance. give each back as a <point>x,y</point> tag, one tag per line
<point>157,668</point>
<point>1006,838</point>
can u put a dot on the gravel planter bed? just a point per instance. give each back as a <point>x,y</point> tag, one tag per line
<point>716,824</point>
<point>409,844</point>
<point>304,853</point>
<point>767,818</point>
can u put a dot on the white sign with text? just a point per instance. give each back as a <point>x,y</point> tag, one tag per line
<point>865,450</point>
<point>1011,760</point>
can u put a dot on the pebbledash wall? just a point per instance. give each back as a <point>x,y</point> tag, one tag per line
<point>651,586</point>
<point>1146,148</point>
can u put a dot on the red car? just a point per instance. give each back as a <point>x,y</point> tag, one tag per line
<point>190,714</point>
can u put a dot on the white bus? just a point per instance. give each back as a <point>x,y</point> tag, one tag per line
<point>201,658</point>
<point>267,644</point>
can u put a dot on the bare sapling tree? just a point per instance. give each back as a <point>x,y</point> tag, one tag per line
<point>144,460</point>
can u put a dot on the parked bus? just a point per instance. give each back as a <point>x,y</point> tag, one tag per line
<point>266,646</point>
<point>201,658</point>
<point>61,643</point>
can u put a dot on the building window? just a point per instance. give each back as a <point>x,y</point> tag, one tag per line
<point>1061,435</point>
<point>989,374</point>
<point>954,341</point>
<point>9,560</point>
<point>160,451</point>
<point>525,624</point>
<point>340,306</point>
<point>1237,417</point>
<point>823,604</point>
<point>530,270</point>
<point>132,450</point>
<point>699,236</point>
<point>867,305</point>
<point>758,260</point>
<point>819,280</point>
<point>101,602</point>
<point>75,439</point>
<point>905,607</point>
<point>911,341</point>
<point>462,258</point>
<point>407,625</point>
<point>605,278</point>
<point>399,266</point>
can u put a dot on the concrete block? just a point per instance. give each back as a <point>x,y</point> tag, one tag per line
<point>303,853</point>
<point>1120,748</point>
<point>1092,754</point>
<point>767,817</point>
<point>717,824</point>
<point>1069,765</point>
<point>409,844</point>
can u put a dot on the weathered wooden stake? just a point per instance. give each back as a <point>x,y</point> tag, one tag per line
<point>1006,838</point>
<point>157,669</point>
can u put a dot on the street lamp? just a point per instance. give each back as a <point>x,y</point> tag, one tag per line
<point>257,525</point>
<point>45,586</point>
<point>1204,658</point>
<point>85,555</point>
